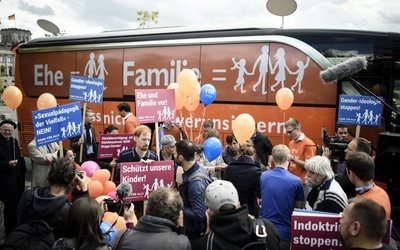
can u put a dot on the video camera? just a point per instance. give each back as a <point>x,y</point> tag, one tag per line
<point>117,206</point>
<point>336,145</point>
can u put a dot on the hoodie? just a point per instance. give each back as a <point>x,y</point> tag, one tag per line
<point>236,228</point>
<point>47,207</point>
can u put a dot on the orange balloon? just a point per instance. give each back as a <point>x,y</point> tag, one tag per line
<point>111,217</point>
<point>243,127</point>
<point>196,92</point>
<point>95,189</point>
<point>187,81</point>
<point>108,187</point>
<point>284,98</point>
<point>179,96</point>
<point>46,100</point>
<point>191,104</point>
<point>101,175</point>
<point>12,97</point>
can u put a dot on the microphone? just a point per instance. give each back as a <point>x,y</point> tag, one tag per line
<point>123,190</point>
<point>344,69</point>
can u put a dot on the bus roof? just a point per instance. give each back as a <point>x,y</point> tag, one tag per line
<point>172,33</point>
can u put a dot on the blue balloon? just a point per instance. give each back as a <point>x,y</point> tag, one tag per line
<point>212,148</point>
<point>109,232</point>
<point>207,94</point>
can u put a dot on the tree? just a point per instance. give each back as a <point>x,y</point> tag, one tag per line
<point>145,17</point>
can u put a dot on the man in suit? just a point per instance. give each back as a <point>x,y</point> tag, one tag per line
<point>88,141</point>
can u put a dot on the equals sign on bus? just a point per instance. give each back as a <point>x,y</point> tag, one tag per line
<point>219,78</point>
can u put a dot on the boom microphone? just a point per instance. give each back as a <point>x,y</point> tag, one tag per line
<point>344,69</point>
<point>123,190</point>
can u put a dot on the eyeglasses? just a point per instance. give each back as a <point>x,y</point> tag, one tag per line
<point>8,130</point>
<point>290,132</point>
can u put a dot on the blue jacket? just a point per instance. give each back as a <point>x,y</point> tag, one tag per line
<point>194,207</point>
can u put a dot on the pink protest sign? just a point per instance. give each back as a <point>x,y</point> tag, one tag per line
<point>155,105</point>
<point>146,178</point>
<point>111,145</point>
<point>319,230</point>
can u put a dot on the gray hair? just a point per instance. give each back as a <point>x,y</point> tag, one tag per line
<point>320,165</point>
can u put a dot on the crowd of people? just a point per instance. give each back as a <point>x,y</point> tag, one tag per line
<point>243,199</point>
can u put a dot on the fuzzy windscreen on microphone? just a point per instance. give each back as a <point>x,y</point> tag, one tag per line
<point>344,69</point>
<point>123,190</point>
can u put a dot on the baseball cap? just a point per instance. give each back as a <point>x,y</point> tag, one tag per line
<point>219,193</point>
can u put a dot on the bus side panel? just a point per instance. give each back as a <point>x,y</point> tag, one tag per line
<point>255,72</point>
<point>103,64</point>
<point>47,73</point>
<point>157,67</point>
<point>269,119</point>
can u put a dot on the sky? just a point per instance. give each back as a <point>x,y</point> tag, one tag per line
<point>93,16</point>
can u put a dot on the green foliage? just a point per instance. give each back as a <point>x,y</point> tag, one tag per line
<point>146,17</point>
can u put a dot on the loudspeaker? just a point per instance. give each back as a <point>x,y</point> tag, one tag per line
<point>388,158</point>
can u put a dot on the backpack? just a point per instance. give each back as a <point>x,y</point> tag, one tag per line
<point>36,234</point>
<point>258,239</point>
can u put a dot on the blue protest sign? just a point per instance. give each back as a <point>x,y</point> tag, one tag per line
<point>58,123</point>
<point>360,110</point>
<point>84,89</point>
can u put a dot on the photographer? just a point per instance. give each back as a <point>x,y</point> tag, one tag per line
<point>356,145</point>
<point>335,147</point>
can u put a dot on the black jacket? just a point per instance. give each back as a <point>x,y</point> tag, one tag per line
<point>152,233</point>
<point>263,147</point>
<point>245,176</point>
<point>52,209</point>
<point>76,147</point>
<point>236,227</point>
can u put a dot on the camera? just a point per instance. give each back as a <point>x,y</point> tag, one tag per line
<point>116,206</point>
<point>337,145</point>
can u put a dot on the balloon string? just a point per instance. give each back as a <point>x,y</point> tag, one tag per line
<point>204,111</point>
<point>191,128</point>
<point>283,132</point>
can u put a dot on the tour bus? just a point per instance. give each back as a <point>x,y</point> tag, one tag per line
<point>247,66</point>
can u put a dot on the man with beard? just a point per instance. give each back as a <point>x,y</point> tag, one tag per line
<point>195,181</point>
<point>140,152</point>
<point>363,225</point>
<point>326,194</point>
